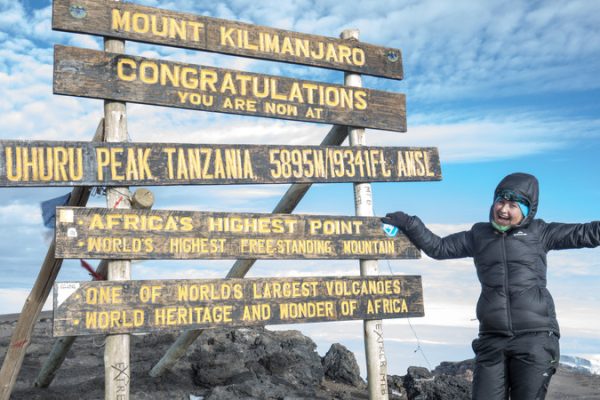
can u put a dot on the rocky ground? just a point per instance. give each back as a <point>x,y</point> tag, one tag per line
<point>226,364</point>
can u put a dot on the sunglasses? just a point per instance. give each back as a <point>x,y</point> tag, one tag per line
<point>511,196</point>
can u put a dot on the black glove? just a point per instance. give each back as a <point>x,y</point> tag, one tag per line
<point>399,219</point>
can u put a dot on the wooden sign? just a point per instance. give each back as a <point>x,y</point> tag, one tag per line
<point>46,163</point>
<point>162,234</point>
<point>122,77</point>
<point>152,25</point>
<point>103,307</point>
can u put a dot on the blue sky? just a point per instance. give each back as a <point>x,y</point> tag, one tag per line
<point>497,86</point>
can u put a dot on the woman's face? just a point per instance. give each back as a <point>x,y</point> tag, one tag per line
<point>507,213</point>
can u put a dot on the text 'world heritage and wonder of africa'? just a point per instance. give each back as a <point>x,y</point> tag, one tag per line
<point>138,306</point>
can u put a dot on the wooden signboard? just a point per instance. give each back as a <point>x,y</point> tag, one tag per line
<point>89,308</point>
<point>122,77</point>
<point>46,163</point>
<point>162,234</point>
<point>152,25</point>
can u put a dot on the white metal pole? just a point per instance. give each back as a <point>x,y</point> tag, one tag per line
<point>363,204</point>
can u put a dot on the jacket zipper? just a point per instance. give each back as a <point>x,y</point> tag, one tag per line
<point>506,291</point>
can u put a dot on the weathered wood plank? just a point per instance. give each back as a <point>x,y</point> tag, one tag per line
<point>152,25</point>
<point>165,234</point>
<point>117,364</point>
<point>113,76</point>
<point>164,305</point>
<point>58,163</point>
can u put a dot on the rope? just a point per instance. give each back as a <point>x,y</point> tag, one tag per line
<point>419,348</point>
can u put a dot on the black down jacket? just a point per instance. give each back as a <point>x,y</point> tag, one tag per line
<point>511,266</point>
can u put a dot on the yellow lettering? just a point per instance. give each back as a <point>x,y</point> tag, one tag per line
<point>141,23</point>
<point>120,21</point>
<point>226,39</point>
<point>196,27</point>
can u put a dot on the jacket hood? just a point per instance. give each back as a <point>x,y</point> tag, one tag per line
<point>523,184</point>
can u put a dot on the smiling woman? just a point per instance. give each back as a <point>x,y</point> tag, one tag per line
<point>518,329</point>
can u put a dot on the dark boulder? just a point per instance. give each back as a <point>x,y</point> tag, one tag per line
<point>256,364</point>
<point>340,366</point>
<point>396,387</point>
<point>463,369</point>
<point>420,384</point>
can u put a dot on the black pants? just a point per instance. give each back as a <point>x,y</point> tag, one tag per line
<point>518,367</point>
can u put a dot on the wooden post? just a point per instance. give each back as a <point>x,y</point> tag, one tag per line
<point>363,204</point>
<point>142,199</point>
<point>240,268</point>
<point>116,352</point>
<point>21,336</point>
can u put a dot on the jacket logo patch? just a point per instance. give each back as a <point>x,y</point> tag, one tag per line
<point>520,233</point>
<point>390,230</point>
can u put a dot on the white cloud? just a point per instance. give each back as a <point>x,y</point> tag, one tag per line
<point>12,14</point>
<point>484,50</point>
<point>12,300</point>
<point>496,47</point>
<point>17,214</point>
<point>574,263</point>
<point>490,138</point>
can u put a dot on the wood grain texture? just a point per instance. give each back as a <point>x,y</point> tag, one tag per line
<point>62,163</point>
<point>164,27</point>
<point>165,305</point>
<point>113,76</point>
<point>164,234</point>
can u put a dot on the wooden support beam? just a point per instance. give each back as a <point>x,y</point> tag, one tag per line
<point>35,301</point>
<point>54,361</point>
<point>240,268</point>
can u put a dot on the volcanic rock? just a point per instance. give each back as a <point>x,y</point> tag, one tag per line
<point>256,363</point>
<point>248,364</point>
<point>340,366</point>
